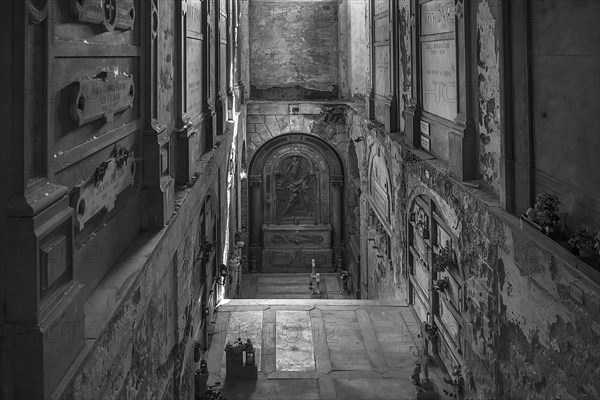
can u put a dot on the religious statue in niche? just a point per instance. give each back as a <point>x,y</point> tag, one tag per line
<point>295,188</point>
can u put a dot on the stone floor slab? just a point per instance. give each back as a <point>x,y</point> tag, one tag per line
<point>294,342</point>
<point>373,389</point>
<point>272,389</point>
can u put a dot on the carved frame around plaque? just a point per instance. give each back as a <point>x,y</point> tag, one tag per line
<point>383,96</point>
<point>190,80</point>
<point>441,97</point>
<point>40,271</point>
<point>158,194</point>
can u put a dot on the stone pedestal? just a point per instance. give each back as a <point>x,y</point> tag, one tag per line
<point>236,370</point>
<point>159,188</point>
<point>187,143</point>
<point>200,380</point>
<point>43,310</point>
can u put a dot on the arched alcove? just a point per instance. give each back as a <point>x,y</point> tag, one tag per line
<point>295,205</point>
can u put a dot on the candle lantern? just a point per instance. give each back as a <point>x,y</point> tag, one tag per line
<point>250,359</point>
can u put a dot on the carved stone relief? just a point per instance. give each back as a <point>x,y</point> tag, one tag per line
<point>295,188</point>
<point>101,190</point>
<point>110,14</point>
<point>101,97</point>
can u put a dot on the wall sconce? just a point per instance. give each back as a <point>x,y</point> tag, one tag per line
<point>243,174</point>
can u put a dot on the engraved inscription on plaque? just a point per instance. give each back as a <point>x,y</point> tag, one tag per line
<point>439,78</point>
<point>194,17</point>
<point>425,143</point>
<point>101,190</point>
<point>437,16</point>
<point>379,110</point>
<point>382,30</point>
<point>110,14</point>
<point>194,77</point>
<point>381,6</point>
<point>101,97</point>
<point>382,70</point>
<point>424,128</point>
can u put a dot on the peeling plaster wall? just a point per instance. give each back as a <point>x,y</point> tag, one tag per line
<point>145,349</point>
<point>531,321</point>
<point>488,77</point>
<point>297,43</point>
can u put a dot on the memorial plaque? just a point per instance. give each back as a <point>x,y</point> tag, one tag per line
<point>194,77</point>
<point>110,14</point>
<point>101,97</point>
<point>382,30</point>
<point>439,78</point>
<point>381,6</point>
<point>194,18</point>
<point>437,16</point>
<point>382,70</point>
<point>425,143</point>
<point>424,128</point>
<point>101,190</point>
<point>450,323</point>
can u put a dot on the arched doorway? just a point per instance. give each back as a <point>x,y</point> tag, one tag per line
<point>295,205</point>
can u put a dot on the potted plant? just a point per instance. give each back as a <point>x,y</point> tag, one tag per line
<point>583,242</point>
<point>214,392</point>
<point>444,259</point>
<point>545,214</point>
<point>431,331</point>
<point>345,277</point>
<point>415,378</point>
<point>422,388</point>
<point>442,284</point>
<point>457,382</point>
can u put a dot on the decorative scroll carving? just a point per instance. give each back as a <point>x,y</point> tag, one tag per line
<point>101,96</point>
<point>101,190</point>
<point>297,239</point>
<point>110,14</point>
<point>38,10</point>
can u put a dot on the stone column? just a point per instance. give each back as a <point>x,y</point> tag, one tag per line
<point>337,185</point>
<point>255,209</point>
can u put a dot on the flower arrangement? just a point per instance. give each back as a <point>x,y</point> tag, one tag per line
<point>432,331</point>
<point>344,276</point>
<point>584,241</point>
<point>214,392</point>
<point>443,260</point>
<point>442,284</point>
<point>545,211</point>
<point>415,378</point>
<point>457,381</point>
<point>237,347</point>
